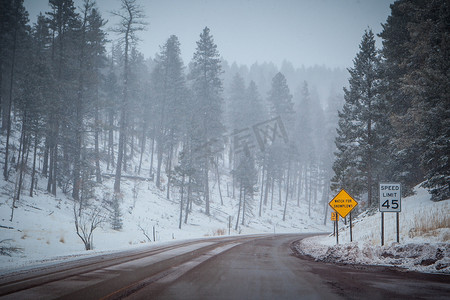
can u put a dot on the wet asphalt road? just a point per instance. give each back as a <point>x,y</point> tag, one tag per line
<point>269,269</point>
<point>244,267</point>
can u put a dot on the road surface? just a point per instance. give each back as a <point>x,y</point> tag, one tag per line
<point>246,267</point>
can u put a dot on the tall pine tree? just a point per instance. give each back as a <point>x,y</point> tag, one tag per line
<point>205,71</point>
<point>360,131</point>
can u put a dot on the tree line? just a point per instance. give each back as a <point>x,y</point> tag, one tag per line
<point>394,125</point>
<point>79,112</point>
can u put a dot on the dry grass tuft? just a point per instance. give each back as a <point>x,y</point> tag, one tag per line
<point>219,232</point>
<point>429,223</point>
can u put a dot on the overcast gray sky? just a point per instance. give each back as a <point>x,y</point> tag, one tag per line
<point>305,32</point>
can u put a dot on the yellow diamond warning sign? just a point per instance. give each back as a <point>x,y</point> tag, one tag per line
<point>343,203</point>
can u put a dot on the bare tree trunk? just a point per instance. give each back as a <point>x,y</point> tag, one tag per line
<point>33,171</point>
<point>132,140</point>
<point>79,112</point>
<point>77,146</point>
<point>151,157</point>
<point>46,153</point>
<point>279,191</point>
<point>309,193</point>
<point>96,140</point>
<point>143,141</point>
<point>8,115</point>
<point>169,171</point>
<point>207,187</point>
<point>299,188</point>
<point>243,208</point>
<point>23,158</point>
<point>122,129</point>
<point>50,170</point>
<point>120,153</point>
<point>159,155</point>
<point>287,189</point>
<point>239,207</point>
<point>218,183</point>
<point>262,187</point>
<point>55,160</point>
<point>234,179</point>
<point>110,140</point>
<point>189,195</point>
<point>125,143</point>
<point>266,194</point>
<point>271,197</point>
<point>181,202</point>
<point>369,158</point>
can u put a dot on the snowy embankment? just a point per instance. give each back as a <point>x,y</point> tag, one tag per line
<point>43,228</point>
<point>424,238</point>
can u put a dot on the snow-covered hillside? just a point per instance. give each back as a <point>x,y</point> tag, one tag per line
<point>424,238</point>
<point>43,226</point>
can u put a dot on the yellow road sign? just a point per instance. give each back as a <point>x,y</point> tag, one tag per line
<point>343,203</point>
<point>334,216</point>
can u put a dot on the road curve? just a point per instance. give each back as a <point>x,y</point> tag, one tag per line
<point>268,268</point>
<point>244,267</point>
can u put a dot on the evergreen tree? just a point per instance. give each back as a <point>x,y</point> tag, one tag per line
<point>131,21</point>
<point>247,176</point>
<point>280,99</point>
<point>255,109</point>
<point>116,214</point>
<point>12,39</point>
<point>205,71</point>
<point>428,85</point>
<point>415,48</point>
<point>96,40</point>
<point>169,90</point>
<point>404,146</point>
<point>38,76</point>
<point>64,24</point>
<point>236,114</point>
<point>360,131</point>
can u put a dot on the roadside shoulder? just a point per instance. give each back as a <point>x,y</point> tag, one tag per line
<point>421,257</point>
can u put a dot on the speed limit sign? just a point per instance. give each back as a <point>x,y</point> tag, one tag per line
<point>390,197</point>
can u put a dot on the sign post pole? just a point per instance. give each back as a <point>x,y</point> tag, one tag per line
<point>398,228</point>
<point>382,228</point>
<point>351,236</point>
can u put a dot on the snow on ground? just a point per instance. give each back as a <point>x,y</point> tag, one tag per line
<point>43,225</point>
<point>424,238</point>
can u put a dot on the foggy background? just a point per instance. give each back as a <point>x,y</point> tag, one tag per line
<point>304,32</point>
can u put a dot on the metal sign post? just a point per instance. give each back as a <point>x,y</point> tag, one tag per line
<point>398,228</point>
<point>351,236</point>
<point>337,232</point>
<point>382,228</point>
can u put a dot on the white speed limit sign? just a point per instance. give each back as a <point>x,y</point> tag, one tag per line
<point>390,197</point>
